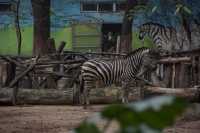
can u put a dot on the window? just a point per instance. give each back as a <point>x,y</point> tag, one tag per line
<point>105,7</point>
<point>102,6</point>
<point>4,7</point>
<point>120,7</point>
<point>89,7</point>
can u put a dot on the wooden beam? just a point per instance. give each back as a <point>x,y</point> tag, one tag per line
<point>11,60</point>
<point>47,62</point>
<point>173,75</point>
<point>18,77</point>
<point>174,60</point>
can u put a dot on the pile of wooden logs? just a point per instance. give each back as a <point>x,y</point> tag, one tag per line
<point>34,80</point>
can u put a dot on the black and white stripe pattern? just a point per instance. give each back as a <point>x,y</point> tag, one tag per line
<point>117,71</point>
<point>165,38</point>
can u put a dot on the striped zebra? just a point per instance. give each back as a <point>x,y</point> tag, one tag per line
<point>119,71</point>
<point>165,38</point>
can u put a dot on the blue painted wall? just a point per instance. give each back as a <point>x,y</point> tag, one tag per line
<point>63,11</point>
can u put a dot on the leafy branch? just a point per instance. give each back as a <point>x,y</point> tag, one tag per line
<point>153,114</point>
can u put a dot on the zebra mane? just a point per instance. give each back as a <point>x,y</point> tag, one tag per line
<point>159,25</point>
<point>136,51</point>
<point>152,23</point>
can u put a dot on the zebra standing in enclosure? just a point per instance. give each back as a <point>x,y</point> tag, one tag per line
<point>123,71</point>
<point>165,38</point>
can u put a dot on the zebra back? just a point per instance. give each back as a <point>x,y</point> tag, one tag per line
<point>114,71</point>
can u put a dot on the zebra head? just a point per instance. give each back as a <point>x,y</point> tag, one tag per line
<point>159,34</point>
<point>149,61</point>
<point>143,30</point>
<point>143,60</point>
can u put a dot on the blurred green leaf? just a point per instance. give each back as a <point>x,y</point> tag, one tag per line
<point>87,128</point>
<point>182,8</point>
<point>152,115</point>
<point>187,10</point>
<point>156,113</point>
<point>177,10</point>
<point>154,9</point>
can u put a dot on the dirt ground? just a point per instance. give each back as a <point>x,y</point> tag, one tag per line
<point>62,119</point>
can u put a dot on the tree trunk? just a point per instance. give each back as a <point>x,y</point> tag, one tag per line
<point>41,33</point>
<point>17,27</point>
<point>126,36</point>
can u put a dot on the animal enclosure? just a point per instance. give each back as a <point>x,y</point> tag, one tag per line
<point>50,79</point>
<point>181,69</point>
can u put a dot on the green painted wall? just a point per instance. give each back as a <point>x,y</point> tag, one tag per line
<point>138,43</point>
<point>64,34</point>
<point>8,40</point>
<point>87,37</point>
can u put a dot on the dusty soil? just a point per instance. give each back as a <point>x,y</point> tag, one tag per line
<point>42,119</point>
<point>62,119</point>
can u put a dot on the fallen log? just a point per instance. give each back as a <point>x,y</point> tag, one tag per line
<point>6,96</point>
<point>36,96</point>
<point>67,96</point>
<point>47,97</point>
<point>192,94</point>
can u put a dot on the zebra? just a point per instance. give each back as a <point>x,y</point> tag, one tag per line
<point>123,71</point>
<point>165,38</point>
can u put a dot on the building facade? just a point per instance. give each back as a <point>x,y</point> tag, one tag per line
<point>86,25</point>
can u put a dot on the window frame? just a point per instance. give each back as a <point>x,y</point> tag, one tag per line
<point>7,9</point>
<point>114,7</point>
<point>106,11</point>
<point>120,3</point>
<point>81,5</point>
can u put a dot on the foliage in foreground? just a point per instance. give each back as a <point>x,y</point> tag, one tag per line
<point>152,115</point>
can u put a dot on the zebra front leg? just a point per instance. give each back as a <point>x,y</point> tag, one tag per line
<point>124,93</point>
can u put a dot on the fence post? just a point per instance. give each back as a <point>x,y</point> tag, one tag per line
<point>173,75</point>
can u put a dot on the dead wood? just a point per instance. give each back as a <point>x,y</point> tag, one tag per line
<point>61,47</point>
<point>37,96</point>
<point>17,63</point>
<point>174,60</point>
<point>189,93</point>
<point>60,62</point>
<point>17,78</point>
<point>53,73</point>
